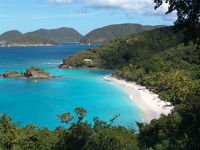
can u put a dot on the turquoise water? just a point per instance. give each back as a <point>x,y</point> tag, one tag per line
<point>39,101</point>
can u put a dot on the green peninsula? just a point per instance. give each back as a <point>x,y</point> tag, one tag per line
<point>112,32</point>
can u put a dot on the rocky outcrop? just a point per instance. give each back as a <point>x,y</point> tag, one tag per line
<point>31,73</point>
<point>12,74</point>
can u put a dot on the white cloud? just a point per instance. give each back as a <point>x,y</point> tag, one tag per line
<point>129,6</point>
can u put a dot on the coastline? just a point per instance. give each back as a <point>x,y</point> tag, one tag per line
<point>30,45</point>
<point>148,102</point>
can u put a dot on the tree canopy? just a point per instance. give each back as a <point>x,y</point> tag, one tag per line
<point>188,14</point>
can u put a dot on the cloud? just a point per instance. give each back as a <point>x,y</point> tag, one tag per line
<point>145,7</point>
<point>135,6</point>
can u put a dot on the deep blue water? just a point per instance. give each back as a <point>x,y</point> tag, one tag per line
<point>39,101</point>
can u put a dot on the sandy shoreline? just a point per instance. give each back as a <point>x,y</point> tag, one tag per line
<point>148,102</point>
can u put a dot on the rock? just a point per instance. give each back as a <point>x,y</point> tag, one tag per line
<point>12,74</point>
<point>31,73</point>
<point>36,73</point>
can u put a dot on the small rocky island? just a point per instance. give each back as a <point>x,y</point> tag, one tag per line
<point>31,73</point>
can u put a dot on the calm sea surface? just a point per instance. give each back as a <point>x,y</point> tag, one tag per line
<point>39,101</point>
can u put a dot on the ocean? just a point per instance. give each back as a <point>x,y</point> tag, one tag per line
<point>40,101</point>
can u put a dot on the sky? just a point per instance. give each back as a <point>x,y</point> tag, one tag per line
<point>82,15</point>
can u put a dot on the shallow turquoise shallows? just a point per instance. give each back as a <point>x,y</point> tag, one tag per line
<point>39,101</point>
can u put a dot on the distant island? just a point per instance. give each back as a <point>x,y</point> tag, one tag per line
<point>30,73</point>
<point>51,37</point>
<point>61,35</point>
<point>25,40</point>
<point>15,38</point>
<point>40,37</point>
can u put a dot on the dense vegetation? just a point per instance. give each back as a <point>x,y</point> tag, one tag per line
<point>155,59</point>
<point>188,17</point>
<point>122,51</point>
<point>79,136</point>
<point>58,35</point>
<point>158,60</point>
<point>112,32</point>
<point>174,74</point>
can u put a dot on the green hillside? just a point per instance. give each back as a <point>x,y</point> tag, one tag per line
<point>112,32</point>
<point>58,35</point>
<point>122,51</point>
<point>10,35</point>
<point>29,40</point>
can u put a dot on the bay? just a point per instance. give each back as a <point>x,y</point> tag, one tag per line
<point>39,101</point>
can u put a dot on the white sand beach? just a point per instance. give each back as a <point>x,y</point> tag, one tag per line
<point>148,102</point>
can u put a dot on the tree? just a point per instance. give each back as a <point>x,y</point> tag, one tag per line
<point>81,113</point>
<point>66,117</point>
<point>188,13</point>
<point>113,138</point>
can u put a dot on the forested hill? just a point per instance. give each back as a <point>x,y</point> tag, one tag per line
<point>112,32</point>
<point>25,40</point>
<point>58,35</point>
<point>123,51</point>
<point>10,35</point>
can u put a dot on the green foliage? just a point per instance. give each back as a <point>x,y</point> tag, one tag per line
<point>112,32</point>
<point>79,135</point>
<point>171,73</point>
<point>28,138</point>
<point>124,51</point>
<point>66,117</point>
<point>188,12</point>
<point>114,138</point>
<point>58,35</point>
<point>174,75</point>
<point>178,131</point>
<point>154,64</point>
<point>77,61</point>
<point>81,113</point>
